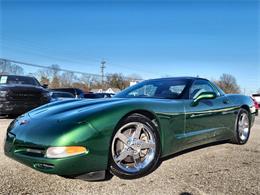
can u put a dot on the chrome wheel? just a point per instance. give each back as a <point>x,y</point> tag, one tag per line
<point>133,147</point>
<point>243,127</point>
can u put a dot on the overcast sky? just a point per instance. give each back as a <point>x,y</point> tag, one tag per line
<point>150,38</point>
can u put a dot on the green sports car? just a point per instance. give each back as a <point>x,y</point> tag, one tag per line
<point>128,134</point>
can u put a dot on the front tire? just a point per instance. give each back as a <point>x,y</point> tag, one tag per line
<point>135,148</point>
<point>242,128</point>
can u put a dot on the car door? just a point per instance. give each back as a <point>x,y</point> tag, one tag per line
<point>204,120</point>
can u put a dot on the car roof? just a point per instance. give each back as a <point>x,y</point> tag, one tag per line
<point>13,75</point>
<point>180,78</point>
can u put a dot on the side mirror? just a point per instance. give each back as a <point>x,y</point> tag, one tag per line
<point>202,96</point>
<point>45,86</point>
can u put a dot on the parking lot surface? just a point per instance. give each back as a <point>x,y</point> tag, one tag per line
<point>216,169</point>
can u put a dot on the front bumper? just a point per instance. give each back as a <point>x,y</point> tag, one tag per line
<point>65,167</point>
<point>18,107</point>
<point>70,166</point>
<point>24,152</point>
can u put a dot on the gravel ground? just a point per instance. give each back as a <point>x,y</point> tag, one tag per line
<point>219,169</point>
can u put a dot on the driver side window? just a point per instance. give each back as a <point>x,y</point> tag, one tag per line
<point>200,86</point>
<point>146,90</point>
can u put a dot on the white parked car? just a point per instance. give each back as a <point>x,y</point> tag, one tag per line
<point>257,98</point>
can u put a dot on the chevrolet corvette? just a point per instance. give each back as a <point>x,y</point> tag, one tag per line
<point>129,134</point>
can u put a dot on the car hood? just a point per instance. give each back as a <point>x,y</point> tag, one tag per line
<point>57,123</point>
<point>70,107</point>
<point>78,108</point>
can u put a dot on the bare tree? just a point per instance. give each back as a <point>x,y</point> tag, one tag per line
<point>228,84</point>
<point>44,76</point>
<point>50,76</point>
<point>7,68</point>
<point>89,82</point>
<point>117,80</point>
<point>67,79</point>
<point>80,86</point>
<point>55,70</point>
<point>55,83</point>
<point>44,80</point>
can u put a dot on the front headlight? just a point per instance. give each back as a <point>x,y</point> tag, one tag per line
<point>66,151</point>
<point>3,93</point>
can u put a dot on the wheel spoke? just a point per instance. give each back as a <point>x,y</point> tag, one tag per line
<point>240,121</point>
<point>138,130</point>
<point>145,145</point>
<point>243,127</point>
<point>137,164</point>
<point>123,155</point>
<point>122,138</point>
<point>133,146</point>
<point>246,123</point>
<point>245,132</point>
<point>243,119</point>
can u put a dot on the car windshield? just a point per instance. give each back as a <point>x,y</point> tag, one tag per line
<point>161,88</point>
<point>18,80</point>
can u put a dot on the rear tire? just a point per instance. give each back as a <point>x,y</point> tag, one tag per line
<point>135,148</point>
<point>242,128</point>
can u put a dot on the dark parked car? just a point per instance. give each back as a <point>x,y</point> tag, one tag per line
<point>60,95</point>
<point>77,93</point>
<point>20,94</point>
<point>98,95</point>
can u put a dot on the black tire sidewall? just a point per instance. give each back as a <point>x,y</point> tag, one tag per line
<point>238,139</point>
<point>116,170</point>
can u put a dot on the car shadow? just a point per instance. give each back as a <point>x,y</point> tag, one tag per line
<point>109,176</point>
<point>185,193</point>
<point>194,149</point>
